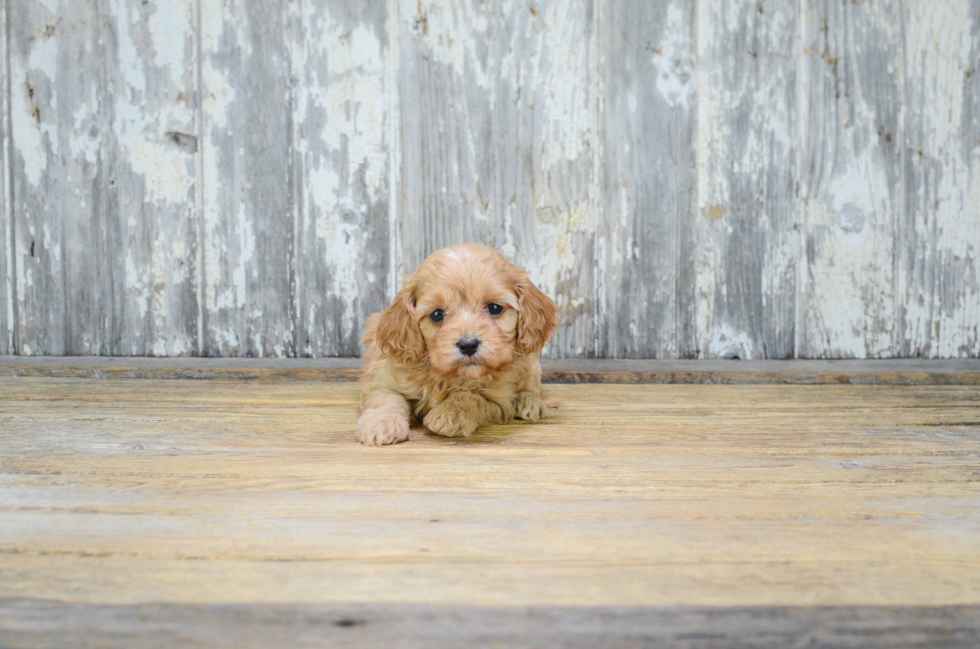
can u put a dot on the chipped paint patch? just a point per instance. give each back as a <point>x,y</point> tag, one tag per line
<point>674,60</point>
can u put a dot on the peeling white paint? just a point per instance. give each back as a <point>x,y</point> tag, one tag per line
<point>453,33</point>
<point>674,60</point>
<point>725,342</point>
<point>941,317</point>
<point>534,86</point>
<point>33,138</point>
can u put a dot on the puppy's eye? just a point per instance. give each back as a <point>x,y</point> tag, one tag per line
<point>437,316</point>
<point>494,309</point>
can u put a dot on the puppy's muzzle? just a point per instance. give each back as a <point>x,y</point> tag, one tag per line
<point>468,346</point>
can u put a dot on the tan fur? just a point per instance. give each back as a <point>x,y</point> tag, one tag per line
<point>413,370</point>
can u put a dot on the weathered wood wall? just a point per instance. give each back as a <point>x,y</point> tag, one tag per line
<point>719,178</point>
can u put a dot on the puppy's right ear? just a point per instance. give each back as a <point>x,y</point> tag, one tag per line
<point>398,334</point>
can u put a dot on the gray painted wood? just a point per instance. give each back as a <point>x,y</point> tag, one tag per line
<point>496,123</point>
<point>247,185</point>
<point>6,212</point>
<point>648,174</point>
<point>543,120</point>
<point>340,117</point>
<point>851,182</point>
<point>446,80</point>
<point>938,238</point>
<point>748,214</point>
<point>59,176</point>
<point>242,179</point>
<point>151,104</point>
<point>33,623</point>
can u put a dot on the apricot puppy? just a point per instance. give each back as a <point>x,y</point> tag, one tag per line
<point>457,348</point>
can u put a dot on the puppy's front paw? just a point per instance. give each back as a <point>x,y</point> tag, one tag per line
<point>530,407</point>
<point>377,427</point>
<point>447,422</point>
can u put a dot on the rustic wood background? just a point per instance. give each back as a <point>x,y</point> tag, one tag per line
<point>720,178</point>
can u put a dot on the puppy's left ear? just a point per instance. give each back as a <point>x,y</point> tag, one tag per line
<point>537,316</point>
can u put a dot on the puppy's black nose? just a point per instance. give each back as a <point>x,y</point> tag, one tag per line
<point>468,345</point>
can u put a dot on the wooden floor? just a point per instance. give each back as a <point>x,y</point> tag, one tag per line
<point>169,512</point>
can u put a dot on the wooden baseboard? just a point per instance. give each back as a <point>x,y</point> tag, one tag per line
<point>803,372</point>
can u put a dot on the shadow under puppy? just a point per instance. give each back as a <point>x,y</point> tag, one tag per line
<point>457,348</point>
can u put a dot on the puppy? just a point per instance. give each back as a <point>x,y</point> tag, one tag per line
<point>457,348</point>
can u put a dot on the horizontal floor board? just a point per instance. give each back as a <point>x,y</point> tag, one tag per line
<point>804,372</point>
<point>34,623</point>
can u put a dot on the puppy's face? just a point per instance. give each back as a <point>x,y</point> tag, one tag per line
<point>470,311</point>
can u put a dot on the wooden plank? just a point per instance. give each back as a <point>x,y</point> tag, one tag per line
<point>7,317</point>
<point>247,179</point>
<point>340,117</point>
<point>542,135</point>
<point>447,164</point>
<point>939,234</point>
<point>748,214</point>
<point>57,62</point>
<point>850,179</point>
<point>646,260</point>
<point>202,493</point>
<point>496,117</point>
<point>32,623</point>
<point>151,213</point>
<point>865,372</point>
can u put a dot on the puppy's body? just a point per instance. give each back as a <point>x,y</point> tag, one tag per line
<point>442,354</point>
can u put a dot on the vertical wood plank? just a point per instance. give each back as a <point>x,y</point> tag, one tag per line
<point>446,87</point>
<point>496,122</point>
<point>151,212</point>
<point>543,126</point>
<point>939,245</point>
<point>341,170</point>
<point>747,214</point>
<point>851,178</point>
<point>247,179</point>
<point>648,179</point>
<point>57,65</point>
<point>6,211</point>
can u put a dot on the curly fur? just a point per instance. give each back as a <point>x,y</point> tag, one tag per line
<point>413,369</point>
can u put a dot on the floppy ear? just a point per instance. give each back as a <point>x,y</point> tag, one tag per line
<point>537,316</point>
<point>398,335</point>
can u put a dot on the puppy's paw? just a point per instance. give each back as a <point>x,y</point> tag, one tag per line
<point>529,406</point>
<point>446,421</point>
<point>378,426</point>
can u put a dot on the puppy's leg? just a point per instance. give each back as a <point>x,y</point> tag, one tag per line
<point>384,420</point>
<point>529,406</point>
<point>461,414</point>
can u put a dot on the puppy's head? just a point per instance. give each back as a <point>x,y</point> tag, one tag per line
<point>470,310</point>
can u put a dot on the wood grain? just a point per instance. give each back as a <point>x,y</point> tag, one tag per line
<point>542,136</point>
<point>864,372</point>
<point>200,493</point>
<point>851,179</point>
<point>747,211</point>
<point>248,183</point>
<point>496,119</point>
<point>939,231</point>
<point>341,169</point>
<point>705,179</point>
<point>7,317</point>
<point>646,286</point>
<point>32,623</point>
<point>59,169</point>
<point>152,215</point>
